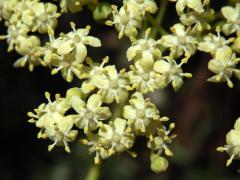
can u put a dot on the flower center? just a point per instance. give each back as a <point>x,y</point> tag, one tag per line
<point>182,39</point>
<point>114,84</point>
<point>124,19</point>
<point>116,137</point>
<point>141,114</point>
<point>145,76</point>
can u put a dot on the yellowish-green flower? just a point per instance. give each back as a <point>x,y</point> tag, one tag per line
<point>232,146</point>
<point>141,6</point>
<point>144,50</point>
<point>200,21</point>
<point>125,21</point>
<point>232,15</point>
<point>170,72</point>
<point>31,51</point>
<point>41,16</point>
<point>53,123</point>
<point>7,8</point>
<point>112,85</point>
<point>196,5</point>
<point>180,42</point>
<point>68,52</point>
<point>90,114</point>
<point>143,79</point>
<point>211,43</point>
<point>95,147</point>
<point>116,136</point>
<point>224,66</point>
<point>140,113</point>
<point>78,38</point>
<point>58,128</point>
<point>74,94</point>
<point>15,32</point>
<point>92,72</point>
<point>160,137</point>
<point>236,45</point>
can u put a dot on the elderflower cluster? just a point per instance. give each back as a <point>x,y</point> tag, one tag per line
<point>22,18</point>
<point>67,52</point>
<point>224,50</point>
<point>109,108</point>
<point>105,134</point>
<point>192,34</point>
<point>232,146</point>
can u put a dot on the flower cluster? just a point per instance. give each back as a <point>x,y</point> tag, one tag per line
<point>67,52</point>
<point>105,134</point>
<point>223,50</point>
<point>53,122</point>
<point>190,35</point>
<point>109,107</point>
<point>22,19</point>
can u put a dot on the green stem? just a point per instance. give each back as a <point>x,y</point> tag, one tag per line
<point>159,18</point>
<point>156,27</point>
<point>93,173</point>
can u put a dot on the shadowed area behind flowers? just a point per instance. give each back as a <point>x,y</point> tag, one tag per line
<point>203,113</point>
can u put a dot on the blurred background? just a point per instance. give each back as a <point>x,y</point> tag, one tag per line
<point>203,112</point>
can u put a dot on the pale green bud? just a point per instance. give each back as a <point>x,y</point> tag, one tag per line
<point>158,163</point>
<point>102,11</point>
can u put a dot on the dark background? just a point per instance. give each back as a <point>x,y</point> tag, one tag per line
<point>204,112</point>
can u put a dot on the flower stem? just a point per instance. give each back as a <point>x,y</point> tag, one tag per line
<point>159,18</point>
<point>93,173</point>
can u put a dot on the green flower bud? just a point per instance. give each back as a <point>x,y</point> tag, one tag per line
<point>158,163</point>
<point>102,11</point>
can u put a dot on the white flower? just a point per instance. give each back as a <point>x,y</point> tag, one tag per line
<point>224,65</point>
<point>91,113</point>
<point>196,5</point>
<point>141,6</point>
<point>211,43</point>
<point>112,85</point>
<point>116,136</point>
<point>140,113</point>
<point>53,123</point>
<point>180,42</point>
<point>143,79</point>
<point>171,72</point>
<point>232,146</point>
<point>31,51</point>
<point>144,50</point>
<point>125,22</point>
<point>232,15</point>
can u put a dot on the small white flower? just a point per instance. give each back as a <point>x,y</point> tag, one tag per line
<point>170,72</point>
<point>224,66</point>
<point>181,42</point>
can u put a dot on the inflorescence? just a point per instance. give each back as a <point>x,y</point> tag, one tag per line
<point>156,63</point>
